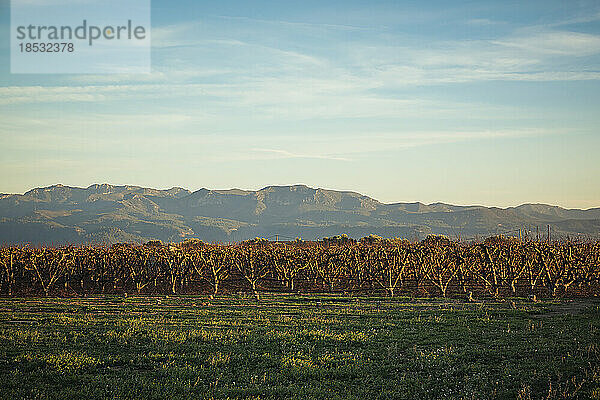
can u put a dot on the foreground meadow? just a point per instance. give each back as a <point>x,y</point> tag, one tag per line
<point>298,347</point>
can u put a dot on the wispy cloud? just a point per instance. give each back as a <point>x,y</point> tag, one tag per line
<point>245,58</point>
<point>53,2</point>
<point>483,22</point>
<point>266,99</point>
<point>555,43</point>
<point>278,153</point>
<point>298,24</point>
<point>287,83</point>
<point>150,133</point>
<point>589,16</point>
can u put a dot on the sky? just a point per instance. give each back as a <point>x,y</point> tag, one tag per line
<point>465,102</point>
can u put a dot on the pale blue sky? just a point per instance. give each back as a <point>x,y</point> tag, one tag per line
<point>493,103</point>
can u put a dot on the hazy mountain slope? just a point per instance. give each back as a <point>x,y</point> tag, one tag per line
<point>107,214</point>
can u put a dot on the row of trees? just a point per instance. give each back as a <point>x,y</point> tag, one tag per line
<point>435,266</point>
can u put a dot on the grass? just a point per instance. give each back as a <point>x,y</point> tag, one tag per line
<point>297,347</point>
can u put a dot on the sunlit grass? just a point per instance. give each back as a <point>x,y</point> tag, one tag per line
<point>321,348</point>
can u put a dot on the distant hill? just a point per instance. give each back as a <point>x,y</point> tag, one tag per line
<point>107,214</point>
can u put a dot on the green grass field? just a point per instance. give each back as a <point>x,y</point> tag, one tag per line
<point>297,347</point>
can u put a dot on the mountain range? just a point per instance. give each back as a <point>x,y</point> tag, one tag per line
<point>103,214</point>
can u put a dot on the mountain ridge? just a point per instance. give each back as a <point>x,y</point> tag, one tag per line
<point>104,213</point>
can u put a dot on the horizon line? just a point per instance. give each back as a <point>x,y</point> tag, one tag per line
<point>302,185</point>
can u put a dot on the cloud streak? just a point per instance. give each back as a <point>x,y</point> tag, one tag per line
<point>282,154</point>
